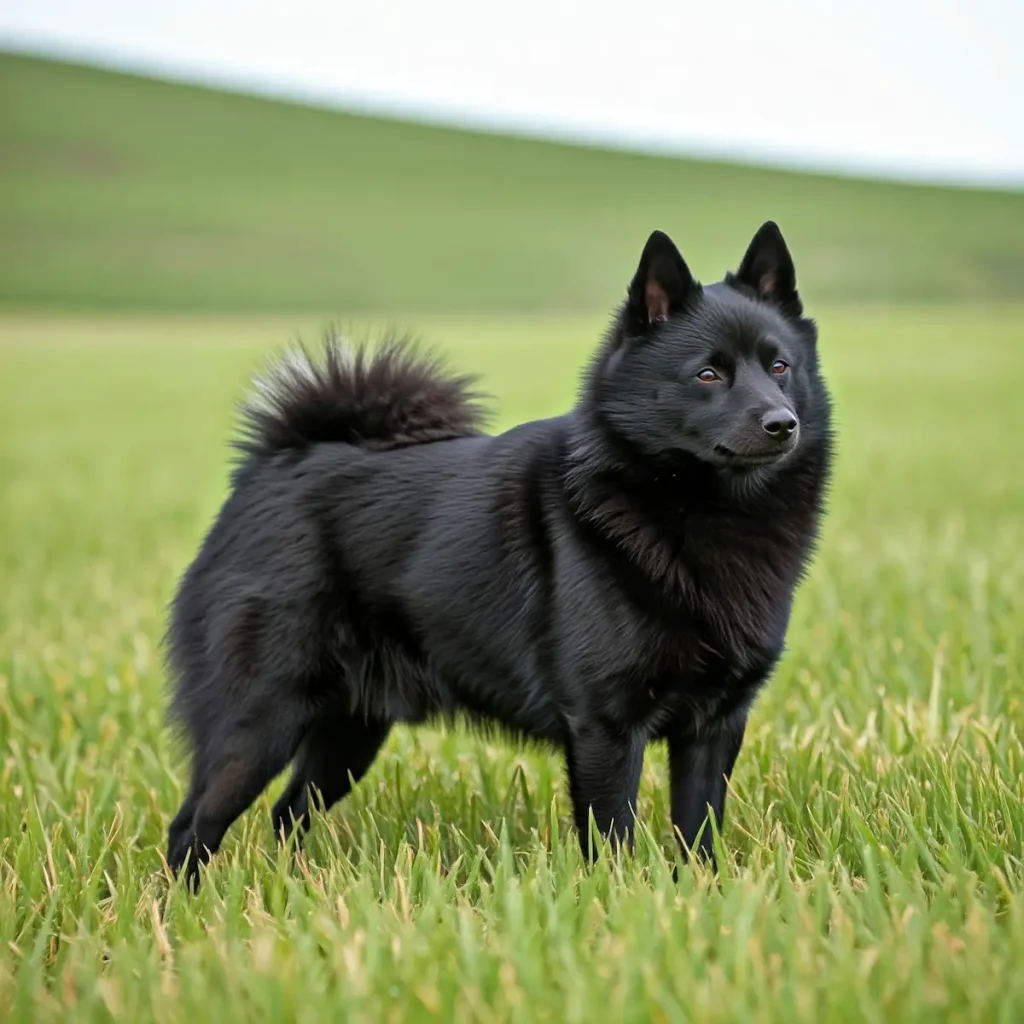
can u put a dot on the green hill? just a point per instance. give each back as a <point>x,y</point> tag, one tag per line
<point>122,192</point>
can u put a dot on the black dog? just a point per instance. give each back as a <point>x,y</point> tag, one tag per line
<point>618,574</point>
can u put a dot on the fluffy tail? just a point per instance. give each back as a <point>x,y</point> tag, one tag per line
<point>389,396</point>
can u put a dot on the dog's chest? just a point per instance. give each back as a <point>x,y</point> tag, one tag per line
<point>692,684</point>
<point>698,661</point>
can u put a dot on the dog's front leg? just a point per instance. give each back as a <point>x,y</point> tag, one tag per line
<point>604,777</point>
<point>699,770</point>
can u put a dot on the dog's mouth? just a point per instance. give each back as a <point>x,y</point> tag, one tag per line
<point>751,459</point>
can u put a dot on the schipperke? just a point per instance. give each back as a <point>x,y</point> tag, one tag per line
<point>619,574</point>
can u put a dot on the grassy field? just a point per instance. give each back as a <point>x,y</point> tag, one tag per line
<point>874,839</point>
<point>157,242</point>
<point>118,192</point>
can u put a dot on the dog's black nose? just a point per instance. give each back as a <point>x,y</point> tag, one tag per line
<point>780,423</point>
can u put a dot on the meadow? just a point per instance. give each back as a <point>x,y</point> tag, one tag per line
<point>125,193</point>
<point>872,850</point>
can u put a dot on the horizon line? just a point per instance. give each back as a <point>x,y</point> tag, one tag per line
<point>178,72</point>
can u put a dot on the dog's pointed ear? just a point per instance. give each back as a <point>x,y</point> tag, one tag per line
<point>768,269</point>
<point>662,285</point>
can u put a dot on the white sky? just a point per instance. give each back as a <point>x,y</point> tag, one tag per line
<point>916,88</point>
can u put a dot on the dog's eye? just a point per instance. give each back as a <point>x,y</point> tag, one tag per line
<point>779,367</point>
<point>708,376</point>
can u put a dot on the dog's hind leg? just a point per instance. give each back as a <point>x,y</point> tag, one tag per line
<point>249,752</point>
<point>339,748</point>
<point>183,819</point>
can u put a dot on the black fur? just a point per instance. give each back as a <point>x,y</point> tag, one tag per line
<point>615,575</point>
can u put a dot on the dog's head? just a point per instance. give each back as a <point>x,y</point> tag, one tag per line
<point>726,373</point>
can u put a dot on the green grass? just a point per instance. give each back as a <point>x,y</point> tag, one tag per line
<point>873,847</point>
<point>123,193</point>
<point>874,840</point>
